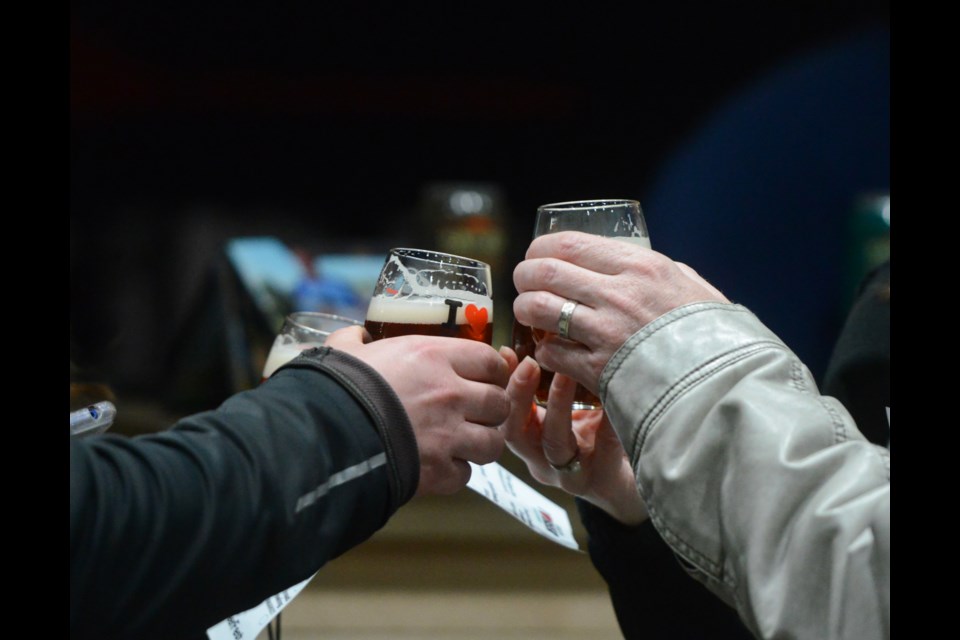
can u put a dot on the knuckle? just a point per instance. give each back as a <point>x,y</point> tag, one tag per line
<point>568,246</point>
<point>660,267</point>
<point>541,305</point>
<point>547,272</point>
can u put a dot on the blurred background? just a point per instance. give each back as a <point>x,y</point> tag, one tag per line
<point>754,134</point>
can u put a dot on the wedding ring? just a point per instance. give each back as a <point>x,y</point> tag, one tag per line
<point>570,466</point>
<point>563,323</point>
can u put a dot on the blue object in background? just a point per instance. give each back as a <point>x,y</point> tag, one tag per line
<point>759,199</point>
<point>326,294</point>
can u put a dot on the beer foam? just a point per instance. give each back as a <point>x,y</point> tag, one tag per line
<point>283,351</point>
<point>414,310</point>
<point>402,281</point>
<point>643,241</point>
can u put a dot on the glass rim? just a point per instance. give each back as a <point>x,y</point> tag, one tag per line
<point>599,203</point>
<point>292,319</point>
<point>437,256</point>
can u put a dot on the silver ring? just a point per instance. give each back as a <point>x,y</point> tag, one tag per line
<point>570,466</point>
<point>563,323</point>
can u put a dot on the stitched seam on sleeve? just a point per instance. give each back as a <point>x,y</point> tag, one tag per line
<point>381,426</point>
<point>796,376</point>
<point>690,380</point>
<point>705,565</point>
<point>317,360</point>
<point>663,321</point>
<point>839,428</point>
<point>709,567</point>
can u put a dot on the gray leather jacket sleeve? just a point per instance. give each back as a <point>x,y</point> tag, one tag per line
<point>764,488</point>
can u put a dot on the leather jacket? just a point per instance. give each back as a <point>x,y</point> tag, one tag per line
<point>764,489</point>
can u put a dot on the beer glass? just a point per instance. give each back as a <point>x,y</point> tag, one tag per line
<point>434,294</point>
<point>620,219</point>
<point>302,330</point>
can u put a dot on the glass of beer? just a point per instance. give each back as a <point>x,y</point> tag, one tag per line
<point>302,330</point>
<point>431,293</point>
<point>620,219</point>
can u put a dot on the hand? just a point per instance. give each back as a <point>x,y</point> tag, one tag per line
<point>553,435</point>
<point>454,393</point>
<point>620,288</point>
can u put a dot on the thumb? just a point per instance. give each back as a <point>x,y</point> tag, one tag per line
<point>347,337</point>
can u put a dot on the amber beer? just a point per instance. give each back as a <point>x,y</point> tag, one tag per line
<point>389,317</point>
<point>525,342</point>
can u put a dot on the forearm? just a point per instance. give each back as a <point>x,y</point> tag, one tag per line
<point>250,499</point>
<point>765,487</point>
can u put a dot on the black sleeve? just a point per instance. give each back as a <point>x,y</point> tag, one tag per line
<point>653,596</point>
<point>858,374</point>
<point>172,532</point>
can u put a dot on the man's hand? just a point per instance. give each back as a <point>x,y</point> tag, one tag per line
<point>620,287</point>
<point>454,393</point>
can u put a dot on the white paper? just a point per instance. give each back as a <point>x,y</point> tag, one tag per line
<point>517,498</point>
<point>251,622</point>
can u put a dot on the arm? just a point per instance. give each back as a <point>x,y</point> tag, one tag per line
<point>764,487</point>
<point>651,594</point>
<point>172,532</point>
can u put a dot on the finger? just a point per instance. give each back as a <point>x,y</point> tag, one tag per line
<point>563,279</point>
<point>510,357</point>
<point>444,479</point>
<point>559,441</point>
<point>586,250</point>
<point>569,358</point>
<point>477,361</point>
<point>346,336</point>
<point>484,404</point>
<point>477,443</point>
<point>586,424</point>
<point>541,310</point>
<point>520,391</point>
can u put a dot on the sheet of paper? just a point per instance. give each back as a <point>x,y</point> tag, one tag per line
<point>524,503</point>
<point>246,625</point>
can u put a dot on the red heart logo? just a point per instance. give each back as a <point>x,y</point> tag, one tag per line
<point>477,317</point>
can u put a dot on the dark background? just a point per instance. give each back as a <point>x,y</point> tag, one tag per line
<point>193,122</point>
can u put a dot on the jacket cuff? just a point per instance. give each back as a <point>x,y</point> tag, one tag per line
<point>383,406</point>
<point>662,360</point>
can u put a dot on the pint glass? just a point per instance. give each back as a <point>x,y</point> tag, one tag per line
<point>620,219</point>
<point>302,330</point>
<point>434,294</point>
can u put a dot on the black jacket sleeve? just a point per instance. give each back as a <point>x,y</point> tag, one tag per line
<point>858,374</point>
<point>172,532</point>
<point>653,596</point>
